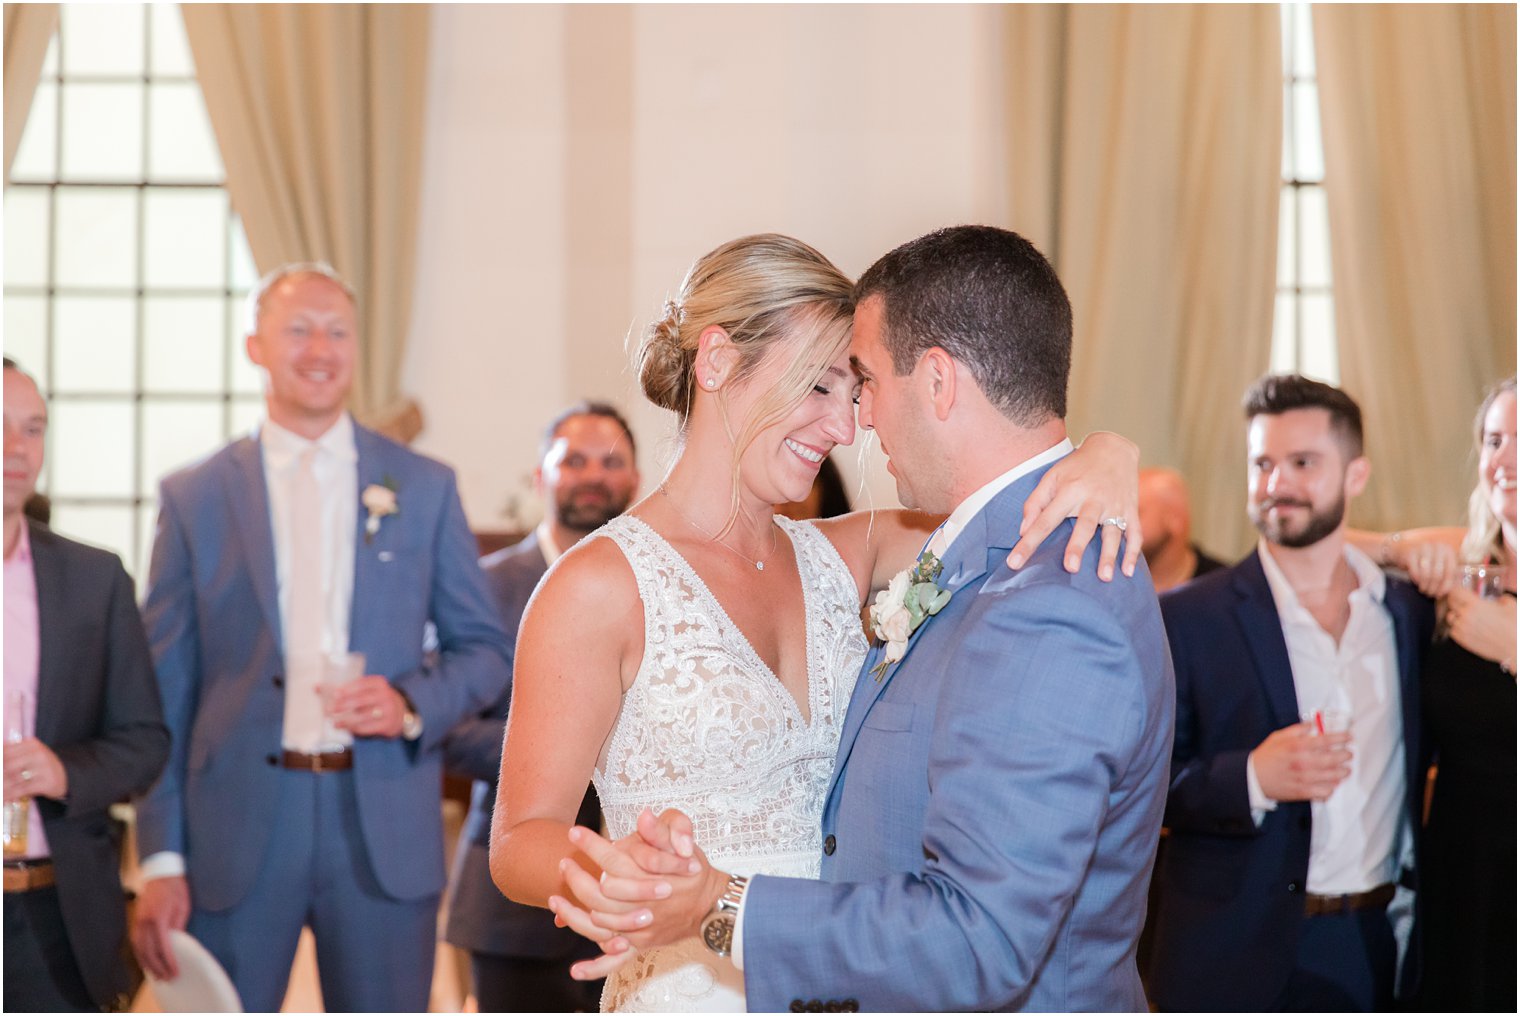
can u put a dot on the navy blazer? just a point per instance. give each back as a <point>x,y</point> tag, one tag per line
<point>1232,894</point>
<point>98,710</point>
<point>481,919</point>
<point>213,620</point>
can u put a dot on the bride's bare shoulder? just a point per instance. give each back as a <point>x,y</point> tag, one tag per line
<point>591,586</point>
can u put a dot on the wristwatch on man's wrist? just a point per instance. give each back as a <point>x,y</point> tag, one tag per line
<point>718,925</point>
<point>411,723</point>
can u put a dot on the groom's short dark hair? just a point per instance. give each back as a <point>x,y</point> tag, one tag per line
<point>989,299</point>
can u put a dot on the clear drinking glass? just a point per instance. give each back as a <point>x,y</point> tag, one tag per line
<point>18,727</point>
<point>1485,580</point>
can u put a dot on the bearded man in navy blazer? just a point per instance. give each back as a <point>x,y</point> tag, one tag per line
<point>1296,777</point>
<point>997,796</point>
<point>304,785</point>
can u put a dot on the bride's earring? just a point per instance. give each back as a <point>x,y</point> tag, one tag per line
<point>711,382</point>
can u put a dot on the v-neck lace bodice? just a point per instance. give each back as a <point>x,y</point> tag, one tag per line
<point>706,727</point>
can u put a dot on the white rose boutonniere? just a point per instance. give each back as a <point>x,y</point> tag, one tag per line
<point>911,598</point>
<point>379,499</point>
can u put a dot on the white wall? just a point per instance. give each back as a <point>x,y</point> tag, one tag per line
<point>578,159</point>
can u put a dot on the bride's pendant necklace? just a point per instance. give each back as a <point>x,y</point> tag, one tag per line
<point>759,565</point>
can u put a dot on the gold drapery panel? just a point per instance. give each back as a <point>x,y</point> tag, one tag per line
<point>1144,161</point>
<point>1419,122</point>
<point>28,30</point>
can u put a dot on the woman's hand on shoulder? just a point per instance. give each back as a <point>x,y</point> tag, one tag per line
<point>1098,481</point>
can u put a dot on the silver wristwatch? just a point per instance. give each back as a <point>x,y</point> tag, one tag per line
<point>718,926</point>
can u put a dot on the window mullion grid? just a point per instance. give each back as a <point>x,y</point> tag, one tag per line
<point>139,383</point>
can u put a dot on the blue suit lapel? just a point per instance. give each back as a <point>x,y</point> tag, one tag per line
<point>371,469</point>
<point>1257,612</point>
<point>249,498</point>
<point>980,546</point>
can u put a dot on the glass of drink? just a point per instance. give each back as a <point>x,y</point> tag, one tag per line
<point>337,670</point>
<point>1484,580</point>
<point>18,727</point>
<point>1328,721</point>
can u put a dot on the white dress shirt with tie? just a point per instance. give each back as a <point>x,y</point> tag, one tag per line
<point>314,569</point>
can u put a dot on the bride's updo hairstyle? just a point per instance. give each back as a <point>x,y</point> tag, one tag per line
<point>773,295</point>
<point>766,291</point>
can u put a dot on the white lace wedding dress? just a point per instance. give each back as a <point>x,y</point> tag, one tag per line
<point>709,729</point>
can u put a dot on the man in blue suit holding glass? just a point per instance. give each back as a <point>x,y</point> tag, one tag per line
<point>294,575</point>
<point>998,791</point>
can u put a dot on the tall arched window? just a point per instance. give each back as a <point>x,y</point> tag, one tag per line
<point>1303,329</point>
<point>125,269</point>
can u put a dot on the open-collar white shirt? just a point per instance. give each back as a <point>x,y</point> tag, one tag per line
<point>1360,834</point>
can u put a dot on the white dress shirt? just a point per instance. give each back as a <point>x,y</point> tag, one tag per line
<point>336,465</point>
<point>1360,835</point>
<point>944,537</point>
<point>940,543</point>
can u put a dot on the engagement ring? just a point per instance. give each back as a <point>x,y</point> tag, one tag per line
<point>1117,522</point>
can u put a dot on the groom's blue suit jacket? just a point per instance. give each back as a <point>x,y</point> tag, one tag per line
<point>996,801</point>
<point>213,619</point>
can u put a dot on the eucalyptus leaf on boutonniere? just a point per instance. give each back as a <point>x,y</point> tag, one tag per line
<point>911,598</point>
<point>379,499</point>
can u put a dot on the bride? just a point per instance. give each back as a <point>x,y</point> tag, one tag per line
<point>699,651</point>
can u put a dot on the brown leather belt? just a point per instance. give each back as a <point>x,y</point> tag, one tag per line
<point>322,762</point>
<point>1376,898</point>
<point>24,876</point>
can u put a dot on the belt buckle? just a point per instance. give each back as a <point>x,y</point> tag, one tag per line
<point>316,761</point>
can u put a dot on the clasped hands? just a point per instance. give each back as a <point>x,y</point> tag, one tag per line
<point>655,888</point>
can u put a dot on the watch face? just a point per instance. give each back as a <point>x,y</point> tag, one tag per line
<point>718,933</point>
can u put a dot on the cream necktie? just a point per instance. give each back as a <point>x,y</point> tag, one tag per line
<point>306,611</point>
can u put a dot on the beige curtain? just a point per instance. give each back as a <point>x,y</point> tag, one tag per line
<point>319,112</point>
<point>1419,123</point>
<point>1144,160</point>
<point>28,30</point>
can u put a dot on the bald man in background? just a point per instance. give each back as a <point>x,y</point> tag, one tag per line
<point>1166,519</point>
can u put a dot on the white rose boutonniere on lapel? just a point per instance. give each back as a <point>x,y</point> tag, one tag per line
<point>911,598</point>
<point>379,499</point>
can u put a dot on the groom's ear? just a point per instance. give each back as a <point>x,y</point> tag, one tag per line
<point>939,377</point>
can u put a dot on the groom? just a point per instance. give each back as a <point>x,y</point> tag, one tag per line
<point>997,797</point>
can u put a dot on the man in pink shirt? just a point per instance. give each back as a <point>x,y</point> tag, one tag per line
<point>88,731</point>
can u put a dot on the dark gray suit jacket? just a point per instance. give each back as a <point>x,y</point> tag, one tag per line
<point>98,710</point>
<point>481,919</point>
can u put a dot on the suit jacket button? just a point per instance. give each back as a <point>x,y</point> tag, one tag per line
<point>797,1005</point>
<point>1292,887</point>
<point>828,845</point>
<point>273,760</point>
<point>279,682</point>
